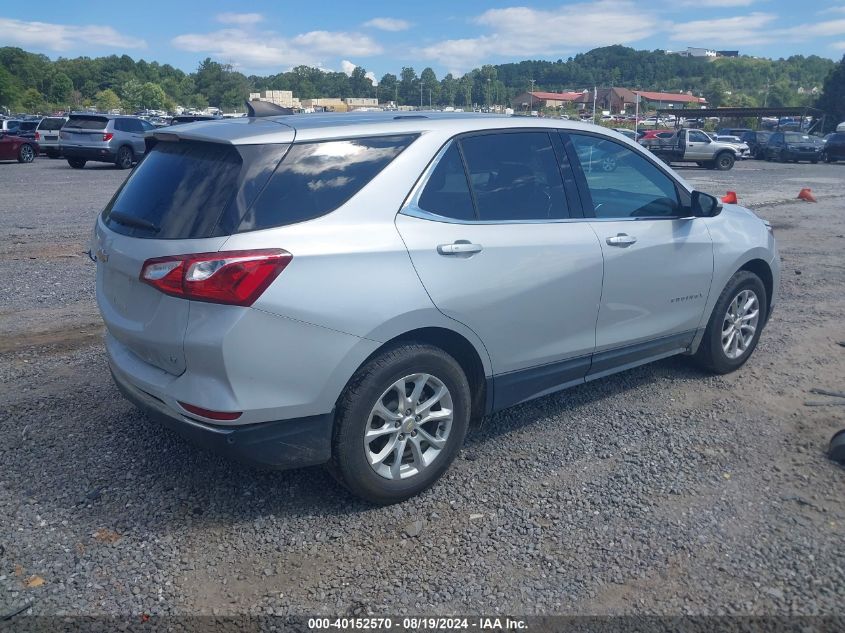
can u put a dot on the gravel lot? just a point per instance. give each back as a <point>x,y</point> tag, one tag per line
<point>659,490</point>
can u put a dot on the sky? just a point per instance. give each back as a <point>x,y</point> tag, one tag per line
<point>267,37</point>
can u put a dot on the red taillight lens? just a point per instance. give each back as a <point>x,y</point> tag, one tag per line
<point>208,413</point>
<point>107,136</point>
<point>37,136</point>
<point>229,277</point>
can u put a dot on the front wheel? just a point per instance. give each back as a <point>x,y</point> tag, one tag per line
<point>76,163</point>
<point>734,326</point>
<point>400,423</point>
<point>725,161</point>
<point>26,154</point>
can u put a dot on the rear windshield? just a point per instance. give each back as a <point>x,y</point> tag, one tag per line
<point>190,190</point>
<point>28,125</point>
<point>797,138</point>
<point>185,189</point>
<point>51,124</point>
<point>87,122</point>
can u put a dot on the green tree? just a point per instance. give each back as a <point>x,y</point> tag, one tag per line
<point>10,92</point>
<point>61,89</point>
<point>152,96</point>
<point>107,100</point>
<point>409,87</point>
<point>714,92</point>
<point>32,101</point>
<point>131,93</point>
<point>388,87</point>
<point>832,99</point>
<point>430,86</point>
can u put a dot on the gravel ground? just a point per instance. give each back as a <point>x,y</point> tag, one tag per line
<point>660,490</point>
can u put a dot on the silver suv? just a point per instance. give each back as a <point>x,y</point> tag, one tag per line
<point>355,289</point>
<point>104,138</point>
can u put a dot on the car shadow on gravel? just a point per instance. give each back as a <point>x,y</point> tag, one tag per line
<point>133,475</point>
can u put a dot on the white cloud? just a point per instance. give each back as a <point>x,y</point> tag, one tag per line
<point>820,29</point>
<point>371,76</point>
<point>746,29</point>
<point>388,24</point>
<point>718,4</point>
<point>239,18</point>
<point>838,46</point>
<point>832,10</point>
<point>521,32</point>
<point>337,43</point>
<point>251,49</point>
<point>63,37</point>
<point>347,67</point>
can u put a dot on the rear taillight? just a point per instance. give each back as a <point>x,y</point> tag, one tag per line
<point>37,136</point>
<point>107,136</point>
<point>229,277</point>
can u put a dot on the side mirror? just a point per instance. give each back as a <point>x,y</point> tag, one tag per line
<point>704,205</point>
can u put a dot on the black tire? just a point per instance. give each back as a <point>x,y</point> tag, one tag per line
<point>76,163</point>
<point>51,153</point>
<point>124,158</point>
<point>725,161</point>
<point>814,162</point>
<point>782,157</point>
<point>26,153</point>
<point>710,355</point>
<point>350,465</point>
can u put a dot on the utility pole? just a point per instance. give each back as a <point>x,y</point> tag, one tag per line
<point>531,97</point>
<point>421,89</point>
<point>595,95</point>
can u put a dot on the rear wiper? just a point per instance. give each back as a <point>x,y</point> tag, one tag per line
<point>131,220</point>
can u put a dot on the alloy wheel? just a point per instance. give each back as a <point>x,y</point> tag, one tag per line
<point>27,154</point>
<point>740,324</point>
<point>408,426</point>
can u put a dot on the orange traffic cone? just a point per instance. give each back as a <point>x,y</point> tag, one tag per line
<point>807,195</point>
<point>729,198</point>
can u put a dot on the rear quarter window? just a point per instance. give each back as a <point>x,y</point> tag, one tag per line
<point>316,178</point>
<point>51,124</point>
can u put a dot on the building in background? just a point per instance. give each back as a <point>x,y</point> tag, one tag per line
<point>669,100</point>
<point>695,52</point>
<point>357,103</point>
<point>537,100</point>
<point>324,104</point>
<point>283,98</point>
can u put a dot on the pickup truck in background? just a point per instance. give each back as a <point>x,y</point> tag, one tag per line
<point>695,146</point>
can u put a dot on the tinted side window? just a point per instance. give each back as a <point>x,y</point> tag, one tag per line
<point>698,137</point>
<point>447,193</point>
<point>120,125</point>
<point>316,178</point>
<point>515,176</point>
<point>623,184</point>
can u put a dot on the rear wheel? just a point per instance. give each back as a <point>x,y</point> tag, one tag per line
<point>51,153</point>
<point>26,153</point>
<point>124,158</point>
<point>734,326</point>
<point>76,163</point>
<point>725,161</point>
<point>400,423</point>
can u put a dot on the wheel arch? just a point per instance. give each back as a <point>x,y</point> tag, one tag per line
<point>460,348</point>
<point>763,270</point>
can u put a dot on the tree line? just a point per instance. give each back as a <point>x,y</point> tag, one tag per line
<point>34,83</point>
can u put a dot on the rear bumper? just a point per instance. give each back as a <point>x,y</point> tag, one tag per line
<point>102,154</point>
<point>280,444</point>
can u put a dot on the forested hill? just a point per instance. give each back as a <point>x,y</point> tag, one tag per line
<point>34,83</point>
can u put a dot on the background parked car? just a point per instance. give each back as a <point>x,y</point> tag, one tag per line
<point>795,147</point>
<point>17,148</point>
<point>834,147</point>
<point>104,138</point>
<point>652,137</point>
<point>47,135</point>
<point>732,131</point>
<point>743,151</point>
<point>757,141</point>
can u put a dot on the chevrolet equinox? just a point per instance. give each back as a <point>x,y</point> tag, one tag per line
<point>353,290</point>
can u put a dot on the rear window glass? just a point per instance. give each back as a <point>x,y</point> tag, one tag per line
<point>87,122</point>
<point>797,138</point>
<point>316,178</point>
<point>51,124</point>
<point>447,193</point>
<point>187,189</point>
<point>28,125</point>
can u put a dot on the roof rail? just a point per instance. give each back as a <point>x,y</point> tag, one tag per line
<point>265,108</point>
<point>409,116</point>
